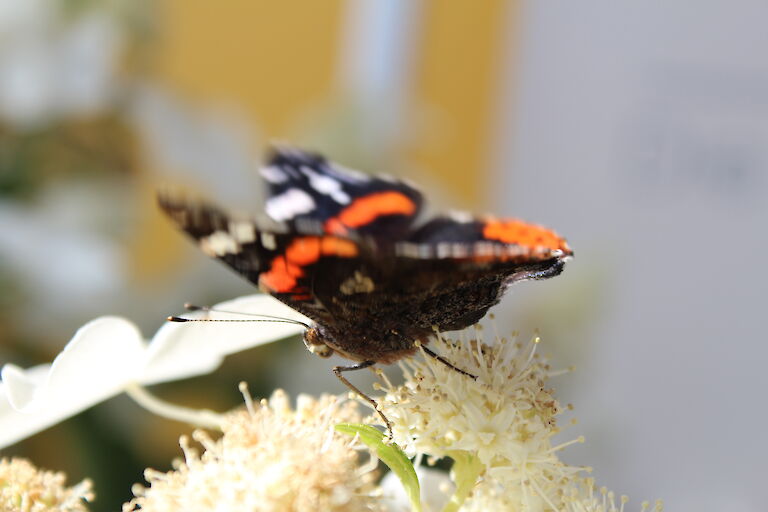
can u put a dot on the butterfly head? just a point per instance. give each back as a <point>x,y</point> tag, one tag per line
<point>315,341</point>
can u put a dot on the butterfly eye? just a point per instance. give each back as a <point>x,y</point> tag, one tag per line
<point>314,342</point>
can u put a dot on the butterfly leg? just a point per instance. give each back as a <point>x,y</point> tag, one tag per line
<point>337,370</point>
<point>447,363</point>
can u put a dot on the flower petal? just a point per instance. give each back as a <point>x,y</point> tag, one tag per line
<point>19,387</point>
<point>102,357</point>
<point>182,350</point>
<point>108,353</point>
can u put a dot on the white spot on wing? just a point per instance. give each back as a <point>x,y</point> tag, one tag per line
<point>460,251</point>
<point>219,243</point>
<point>243,231</point>
<point>274,174</point>
<point>326,185</point>
<point>358,283</point>
<point>289,204</point>
<point>461,216</point>
<point>268,241</point>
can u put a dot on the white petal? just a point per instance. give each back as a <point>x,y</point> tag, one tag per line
<point>15,425</point>
<point>109,352</point>
<point>182,350</point>
<point>19,388</point>
<point>102,357</point>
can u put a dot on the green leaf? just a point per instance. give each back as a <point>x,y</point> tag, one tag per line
<point>391,455</point>
<point>466,470</point>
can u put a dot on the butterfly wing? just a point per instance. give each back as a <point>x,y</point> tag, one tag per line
<point>282,264</point>
<point>446,275</point>
<point>463,238</point>
<point>512,249</point>
<point>312,194</point>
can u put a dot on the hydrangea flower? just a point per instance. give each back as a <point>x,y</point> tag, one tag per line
<point>108,356</point>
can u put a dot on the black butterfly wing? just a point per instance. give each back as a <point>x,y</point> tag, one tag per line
<point>236,242</point>
<point>282,264</point>
<point>313,194</point>
<point>446,275</point>
<point>511,249</point>
<point>510,244</point>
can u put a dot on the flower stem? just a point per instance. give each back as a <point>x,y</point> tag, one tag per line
<point>197,417</point>
<point>466,469</point>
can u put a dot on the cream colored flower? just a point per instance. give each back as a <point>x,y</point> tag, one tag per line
<point>582,497</point>
<point>578,495</point>
<point>25,488</point>
<point>497,428</point>
<point>270,458</point>
<point>506,418</point>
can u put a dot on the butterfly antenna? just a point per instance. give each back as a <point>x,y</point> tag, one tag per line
<point>264,318</point>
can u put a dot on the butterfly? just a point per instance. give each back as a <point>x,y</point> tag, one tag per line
<point>349,251</point>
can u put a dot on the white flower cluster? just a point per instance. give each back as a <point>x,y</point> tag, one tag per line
<point>24,487</point>
<point>498,428</point>
<point>271,458</point>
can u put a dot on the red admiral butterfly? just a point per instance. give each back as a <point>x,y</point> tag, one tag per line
<point>341,247</point>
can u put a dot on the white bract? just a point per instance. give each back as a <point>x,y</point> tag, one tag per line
<point>108,356</point>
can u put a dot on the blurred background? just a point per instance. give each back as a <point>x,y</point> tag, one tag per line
<point>639,130</point>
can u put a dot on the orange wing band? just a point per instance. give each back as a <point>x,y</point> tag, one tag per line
<point>528,235</point>
<point>286,269</point>
<point>367,209</point>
